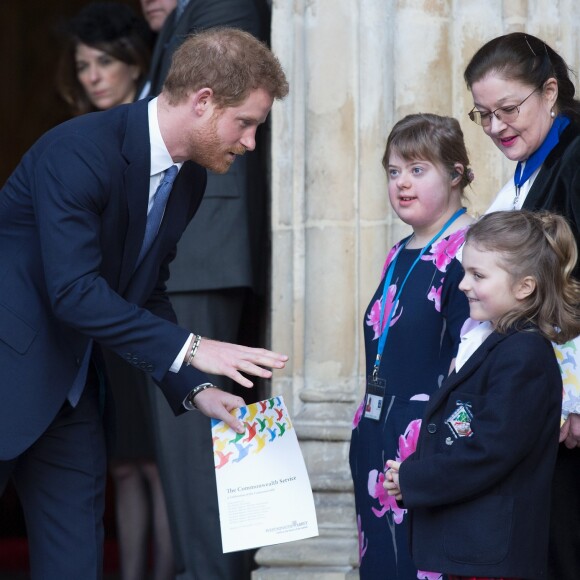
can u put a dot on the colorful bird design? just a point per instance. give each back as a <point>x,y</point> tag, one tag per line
<point>237,438</point>
<point>242,452</point>
<point>264,421</point>
<point>253,411</point>
<point>223,458</point>
<point>251,432</point>
<point>219,444</point>
<point>261,443</point>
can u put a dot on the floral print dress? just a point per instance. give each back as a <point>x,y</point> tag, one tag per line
<point>423,339</point>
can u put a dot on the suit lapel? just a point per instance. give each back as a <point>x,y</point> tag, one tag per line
<point>472,364</point>
<point>136,150</point>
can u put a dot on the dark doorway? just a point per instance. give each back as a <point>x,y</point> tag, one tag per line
<point>30,46</point>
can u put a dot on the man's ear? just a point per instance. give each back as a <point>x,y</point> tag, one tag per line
<point>525,287</point>
<point>202,101</point>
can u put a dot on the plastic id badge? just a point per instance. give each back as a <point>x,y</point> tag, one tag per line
<point>375,397</point>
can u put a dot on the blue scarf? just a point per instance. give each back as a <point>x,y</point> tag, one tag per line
<point>539,155</point>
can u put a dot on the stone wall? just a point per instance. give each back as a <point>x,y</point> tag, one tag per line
<point>355,67</point>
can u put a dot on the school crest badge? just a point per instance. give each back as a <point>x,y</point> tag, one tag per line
<point>459,422</point>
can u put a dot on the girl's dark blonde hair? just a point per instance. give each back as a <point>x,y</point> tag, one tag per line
<point>433,138</point>
<point>540,245</point>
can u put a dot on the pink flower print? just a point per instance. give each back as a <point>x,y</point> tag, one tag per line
<point>408,441</point>
<point>363,542</point>
<point>358,415</point>
<point>435,296</point>
<point>374,316</point>
<point>393,251</point>
<point>444,250</point>
<point>422,575</point>
<point>388,503</point>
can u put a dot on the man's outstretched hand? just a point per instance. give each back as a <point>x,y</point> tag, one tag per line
<point>223,358</point>
<point>230,360</point>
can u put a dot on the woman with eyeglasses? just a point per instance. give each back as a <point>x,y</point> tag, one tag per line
<point>524,101</point>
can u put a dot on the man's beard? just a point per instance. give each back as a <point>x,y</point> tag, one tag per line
<point>210,152</point>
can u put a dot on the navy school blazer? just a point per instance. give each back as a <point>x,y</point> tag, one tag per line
<point>72,219</point>
<point>478,485</point>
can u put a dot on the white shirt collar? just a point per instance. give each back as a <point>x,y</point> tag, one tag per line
<point>471,340</point>
<point>160,158</point>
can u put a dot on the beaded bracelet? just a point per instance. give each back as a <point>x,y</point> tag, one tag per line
<point>193,350</point>
<point>198,390</point>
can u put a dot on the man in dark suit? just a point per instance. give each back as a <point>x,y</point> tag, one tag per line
<point>75,288</point>
<point>218,271</point>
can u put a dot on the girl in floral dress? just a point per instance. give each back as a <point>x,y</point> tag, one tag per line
<point>411,328</point>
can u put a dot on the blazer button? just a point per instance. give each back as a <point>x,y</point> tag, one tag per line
<point>432,428</point>
<point>149,368</point>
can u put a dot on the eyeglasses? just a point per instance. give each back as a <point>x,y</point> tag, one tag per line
<point>505,114</point>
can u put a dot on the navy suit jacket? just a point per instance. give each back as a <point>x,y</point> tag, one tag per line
<point>72,219</point>
<point>479,505</point>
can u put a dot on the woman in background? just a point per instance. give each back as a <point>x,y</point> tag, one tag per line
<point>106,57</point>
<point>105,61</point>
<point>524,101</point>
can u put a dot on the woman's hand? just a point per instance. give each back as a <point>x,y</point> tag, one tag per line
<point>570,431</point>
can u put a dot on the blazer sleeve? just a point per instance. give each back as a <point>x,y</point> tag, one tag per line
<point>517,393</point>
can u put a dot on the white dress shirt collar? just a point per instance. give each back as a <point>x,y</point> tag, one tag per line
<point>160,158</point>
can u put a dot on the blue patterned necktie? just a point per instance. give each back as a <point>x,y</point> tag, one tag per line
<point>156,214</point>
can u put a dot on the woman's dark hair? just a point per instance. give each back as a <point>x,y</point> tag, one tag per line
<point>115,29</point>
<point>529,60</point>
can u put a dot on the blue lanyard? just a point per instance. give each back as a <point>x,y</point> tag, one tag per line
<point>388,279</point>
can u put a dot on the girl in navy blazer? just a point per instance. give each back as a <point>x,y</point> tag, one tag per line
<point>478,484</point>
